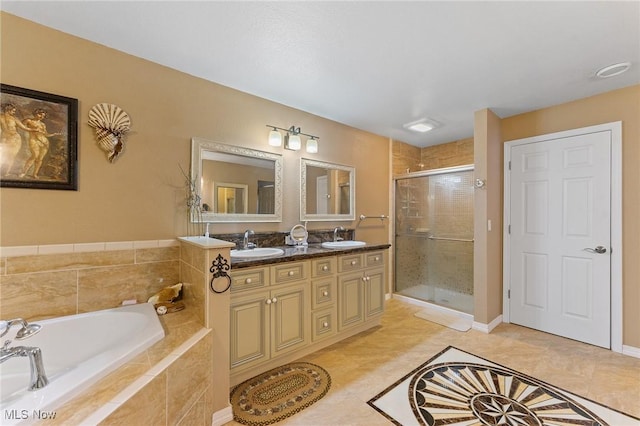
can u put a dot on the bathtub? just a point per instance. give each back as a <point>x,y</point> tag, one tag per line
<point>77,351</point>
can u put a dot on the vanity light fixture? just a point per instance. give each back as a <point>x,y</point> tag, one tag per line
<point>423,125</point>
<point>292,139</point>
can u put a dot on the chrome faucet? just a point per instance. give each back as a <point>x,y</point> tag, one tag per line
<point>38,376</point>
<point>335,233</point>
<point>246,245</point>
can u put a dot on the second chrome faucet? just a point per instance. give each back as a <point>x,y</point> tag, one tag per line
<point>246,245</point>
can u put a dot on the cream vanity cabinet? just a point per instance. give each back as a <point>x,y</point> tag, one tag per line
<point>285,310</point>
<point>269,312</point>
<point>360,288</point>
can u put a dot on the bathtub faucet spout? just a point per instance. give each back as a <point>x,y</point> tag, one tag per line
<point>38,376</point>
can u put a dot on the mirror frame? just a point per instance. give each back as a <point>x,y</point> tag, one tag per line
<point>200,145</point>
<point>304,162</point>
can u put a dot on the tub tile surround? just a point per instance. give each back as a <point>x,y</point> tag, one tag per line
<point>41,282</point>
<point>38,282</point>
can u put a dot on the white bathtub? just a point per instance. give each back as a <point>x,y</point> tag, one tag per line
<point>77,350</point>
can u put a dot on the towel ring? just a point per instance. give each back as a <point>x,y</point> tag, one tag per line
<point>219,268</point>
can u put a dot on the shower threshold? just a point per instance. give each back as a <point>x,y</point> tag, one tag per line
<point>429,305</point>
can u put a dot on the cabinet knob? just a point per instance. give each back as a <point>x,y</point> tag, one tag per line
<point>325,268</point>
<point>274,300</point>
<point>325,293</point>
<point>353,262</point>
<point>377,259</point>
<point>247,281</point>
<point>325,324</point>
<point>291,273</point>
<point>268,301</point>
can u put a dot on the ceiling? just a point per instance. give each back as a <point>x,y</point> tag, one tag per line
<point>374,65</point>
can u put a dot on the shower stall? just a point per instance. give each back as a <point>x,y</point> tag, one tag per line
<point>434,237</point>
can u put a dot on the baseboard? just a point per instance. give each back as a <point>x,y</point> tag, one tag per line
<point>487,328</point>
<point>221,417</point>
<point>631,351</point>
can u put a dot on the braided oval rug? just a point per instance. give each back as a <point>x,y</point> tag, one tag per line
<point>279,393</point>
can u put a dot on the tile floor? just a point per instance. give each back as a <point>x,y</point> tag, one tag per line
<point>366,364</point>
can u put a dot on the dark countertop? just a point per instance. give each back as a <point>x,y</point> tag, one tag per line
<point>311,251</point>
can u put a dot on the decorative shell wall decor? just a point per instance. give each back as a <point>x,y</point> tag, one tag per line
<point>111,123</point>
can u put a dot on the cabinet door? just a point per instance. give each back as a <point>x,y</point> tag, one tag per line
<point>249,329</point>
<point>374,292</point>
<point>350,300</point>
<point>289,324</point>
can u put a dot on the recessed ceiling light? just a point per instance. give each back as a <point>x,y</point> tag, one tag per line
<point>613,70</point>
<point>422,125</point>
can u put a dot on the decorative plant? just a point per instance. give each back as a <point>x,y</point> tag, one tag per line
<point>194,205</point>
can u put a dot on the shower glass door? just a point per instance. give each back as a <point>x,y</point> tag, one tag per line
<point>434,237</point>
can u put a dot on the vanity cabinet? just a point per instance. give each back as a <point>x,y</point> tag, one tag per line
<point>283,311</point>
<point>271,320</point>
<point>360,288</point>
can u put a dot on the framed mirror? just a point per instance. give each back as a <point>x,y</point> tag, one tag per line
<point>327,191</point>
<point>236,184</point>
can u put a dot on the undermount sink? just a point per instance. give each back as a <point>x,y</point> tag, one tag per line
<point>343,244</point>
<point>256,252</point>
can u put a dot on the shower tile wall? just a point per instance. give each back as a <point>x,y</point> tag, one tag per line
<point>450,263</point>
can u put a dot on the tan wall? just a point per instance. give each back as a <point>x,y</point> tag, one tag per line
<point>487,254</point>
<point>619,105</point>
<point>141,196</point>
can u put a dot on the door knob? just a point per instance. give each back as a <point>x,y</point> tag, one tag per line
<point>597,250</point>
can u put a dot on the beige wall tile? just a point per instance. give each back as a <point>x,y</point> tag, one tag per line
<point>450,154</point>
<point>157,254</point>
<point>146,407</point>
<point>196,415</point>
<point>38,296</point>
<point>188,379</point>
<point>103,288</point>
<point>66,261</point>
<point>194,289</point>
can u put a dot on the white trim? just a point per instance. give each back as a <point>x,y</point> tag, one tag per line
<point>616,220</point>
<point>487,328</point>
<point>221,417</point>
<point>631,351</point>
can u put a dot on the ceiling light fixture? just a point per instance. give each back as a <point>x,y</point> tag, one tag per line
<point>423,125</point>
<point>292,139</point>
<point>613,70</point>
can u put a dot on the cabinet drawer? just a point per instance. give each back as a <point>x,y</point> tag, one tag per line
<point>374,259</point>
<point>323,267</point>
<point>350,262</point>
<point>323,324</point>
<point>288,272</point>
<point>247,279</point>
<point>323,292</point>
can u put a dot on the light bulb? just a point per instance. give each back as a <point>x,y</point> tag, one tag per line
<point>275,138</point>
<point>312,146</point>
<point>293,142</point>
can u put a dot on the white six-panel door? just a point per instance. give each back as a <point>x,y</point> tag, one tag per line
<point>559,264</point>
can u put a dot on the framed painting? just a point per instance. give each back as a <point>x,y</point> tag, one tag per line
<point>38,139</point>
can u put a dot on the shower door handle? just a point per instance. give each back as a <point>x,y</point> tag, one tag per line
<point>597,250</point>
